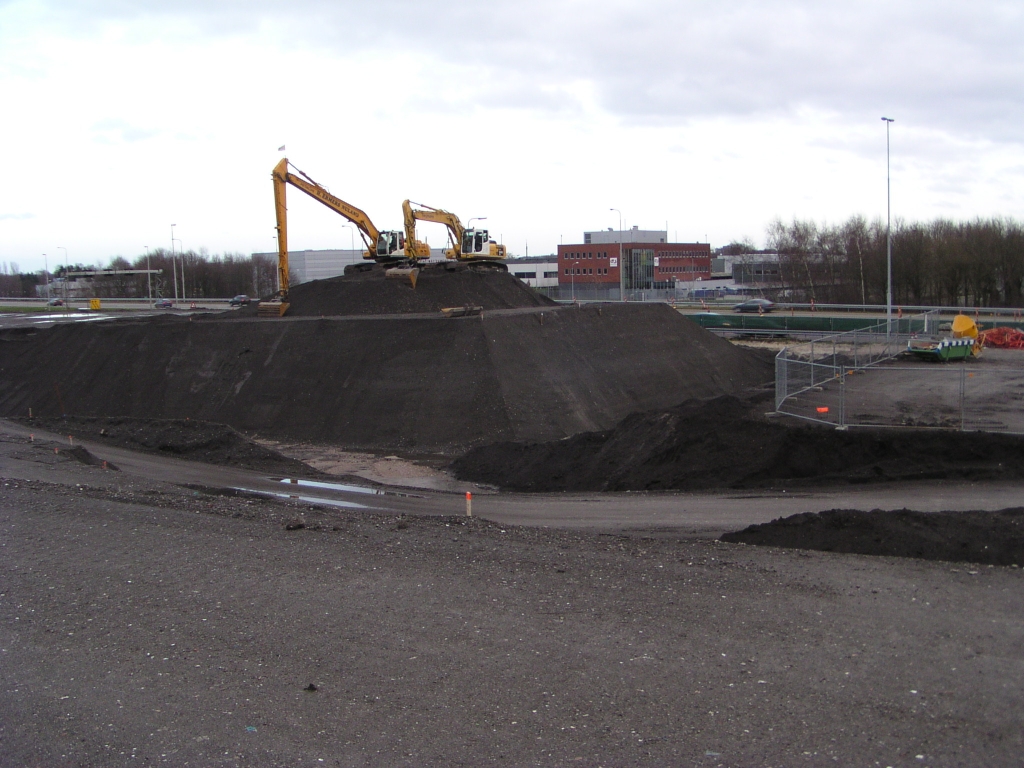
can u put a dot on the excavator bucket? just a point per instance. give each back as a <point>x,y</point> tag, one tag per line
<point>405,274</point>
<point>272,308</point>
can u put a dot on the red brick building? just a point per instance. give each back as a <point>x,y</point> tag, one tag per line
<point>603,267</point>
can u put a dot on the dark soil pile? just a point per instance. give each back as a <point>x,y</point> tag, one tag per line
<point>182,438</point>
<point>380,383</point>
<point>990,538</point>
<point>727,442</point>
<point>83,455</point>
<point>440,285</point>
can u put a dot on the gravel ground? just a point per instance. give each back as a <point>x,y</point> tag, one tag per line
<point>144,623</point>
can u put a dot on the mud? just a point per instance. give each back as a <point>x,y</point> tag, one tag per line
<point>728,442</point>
<point>184,439</point>
<point>987,538</point>
<point>393,383</point>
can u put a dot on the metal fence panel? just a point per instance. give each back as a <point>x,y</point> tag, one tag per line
<point>852,379</point>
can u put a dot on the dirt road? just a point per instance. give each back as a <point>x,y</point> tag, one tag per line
<point>142,622</point>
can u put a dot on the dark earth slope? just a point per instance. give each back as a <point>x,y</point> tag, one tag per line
<point>990,538</point>
<point>439,286</point>
<point>726,442</point>
<point>392,383</point>
<point>180,438</point>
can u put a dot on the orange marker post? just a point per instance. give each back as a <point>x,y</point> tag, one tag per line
<point>469,504</point>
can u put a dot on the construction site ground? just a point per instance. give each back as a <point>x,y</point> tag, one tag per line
<point>155,614</point>
<point>981,393</point>
<point>241,542</point>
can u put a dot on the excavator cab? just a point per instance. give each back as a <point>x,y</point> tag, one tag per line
<point>475,243</point>
<point>391,244</point>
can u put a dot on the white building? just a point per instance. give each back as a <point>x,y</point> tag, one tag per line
<point>535,271</point>
<point>309,265</point>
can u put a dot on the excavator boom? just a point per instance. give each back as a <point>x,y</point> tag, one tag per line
<point>467,244</point>
<point>385,247</point>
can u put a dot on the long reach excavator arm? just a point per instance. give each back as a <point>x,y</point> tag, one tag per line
<point>385,247</point>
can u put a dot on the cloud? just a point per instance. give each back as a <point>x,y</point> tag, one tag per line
<point>950,66</point>
<point>114,131</point>
<point>16,216</point>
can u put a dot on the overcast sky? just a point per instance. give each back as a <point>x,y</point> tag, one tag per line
<point>121,117</point>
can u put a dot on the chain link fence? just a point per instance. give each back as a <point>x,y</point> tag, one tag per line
<point>856,379</point>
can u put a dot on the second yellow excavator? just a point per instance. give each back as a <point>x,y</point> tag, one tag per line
<point>390,248</point>
<point>472,245</point>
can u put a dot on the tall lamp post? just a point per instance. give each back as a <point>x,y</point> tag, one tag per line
<point>174,267</point>
<point>181,261</point>
<point>888,234</point>
<point>352,239</point>
<point>62,248</point>
<point>46,276</point>
<point>622,269</point>
<point>572,279</point>
<point>149,276</point>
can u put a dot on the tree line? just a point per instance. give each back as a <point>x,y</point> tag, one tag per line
<point>978,263</point>
<point>205,276</point>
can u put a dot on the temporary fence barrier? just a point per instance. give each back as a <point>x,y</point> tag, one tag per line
<point>853,379</point>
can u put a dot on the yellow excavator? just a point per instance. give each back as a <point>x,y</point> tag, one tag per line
<point>389,247</point>
<point>469,245</point>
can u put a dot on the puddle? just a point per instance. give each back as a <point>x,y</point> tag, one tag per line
<point>70,318</point>
<point>307,499</point>
<point>344,488</point>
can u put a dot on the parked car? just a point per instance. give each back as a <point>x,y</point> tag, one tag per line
<point>164,304</point>
<point>55,303</point>
<point>241,300</point>
<point>755,305</point>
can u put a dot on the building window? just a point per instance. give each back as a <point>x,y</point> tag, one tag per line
<point>550,274</point>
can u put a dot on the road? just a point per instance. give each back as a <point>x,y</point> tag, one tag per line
<point>703,515</point>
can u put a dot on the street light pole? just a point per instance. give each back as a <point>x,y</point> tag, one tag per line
<point>174,267</point>
<point>888,234</point>
<point>352,239</point>
<point>149,276</point>
<point>46,276</point>
<point>572,279</point>
<point>62,248</point>
<point>622,269</point>
<point>181,260</point>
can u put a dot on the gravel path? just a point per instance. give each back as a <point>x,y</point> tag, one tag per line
<point>143,623</point>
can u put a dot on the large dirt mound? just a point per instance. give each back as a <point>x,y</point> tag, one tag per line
<point>439,285</point>
<point>726,442</point>
<point>387,383</point>
<point>991,538</point>
<point>184,439</point>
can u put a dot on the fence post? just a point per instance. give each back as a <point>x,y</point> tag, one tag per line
<point>963,379</point>
<point>842,396</point>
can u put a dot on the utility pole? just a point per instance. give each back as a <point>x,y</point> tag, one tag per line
<point>174,269</point>
<point>888,234</point>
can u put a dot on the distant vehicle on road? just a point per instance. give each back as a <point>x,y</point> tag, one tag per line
<point>241,300</point>
<point>55,303</point>
<point>755,305</point>
<point>164,304</point>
